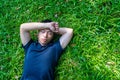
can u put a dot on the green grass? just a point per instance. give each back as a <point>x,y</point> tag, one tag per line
<point>93,53</point>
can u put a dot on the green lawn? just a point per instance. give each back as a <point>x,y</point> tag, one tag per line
<point>93,53</point>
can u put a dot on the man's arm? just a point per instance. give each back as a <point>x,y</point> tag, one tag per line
<point>67,34</point>
<point>25,29</point>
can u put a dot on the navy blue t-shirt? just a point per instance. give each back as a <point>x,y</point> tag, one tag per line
<point>40,61</point>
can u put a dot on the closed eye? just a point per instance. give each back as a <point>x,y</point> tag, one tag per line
<point>43,31</point>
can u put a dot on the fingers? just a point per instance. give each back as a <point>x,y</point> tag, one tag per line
<point>55,27</point>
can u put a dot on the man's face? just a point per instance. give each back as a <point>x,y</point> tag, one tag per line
<point>45,36</point>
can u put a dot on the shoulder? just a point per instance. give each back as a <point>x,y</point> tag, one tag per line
<point>28,44</point>
<point>58,45</point>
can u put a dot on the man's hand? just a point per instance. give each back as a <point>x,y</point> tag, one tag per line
<point>54,26</point>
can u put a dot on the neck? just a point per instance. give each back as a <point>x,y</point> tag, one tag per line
<point>42,43</point>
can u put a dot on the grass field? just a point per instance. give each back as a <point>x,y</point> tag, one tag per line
<point>93,53</point>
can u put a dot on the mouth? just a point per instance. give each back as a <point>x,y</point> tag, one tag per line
<point>44,40</point>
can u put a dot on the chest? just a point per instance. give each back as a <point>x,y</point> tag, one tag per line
<point>44,55</point>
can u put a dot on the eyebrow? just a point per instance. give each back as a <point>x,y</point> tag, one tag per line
<point>46,30</point>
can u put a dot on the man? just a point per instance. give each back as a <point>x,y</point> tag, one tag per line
<point>41,56</point>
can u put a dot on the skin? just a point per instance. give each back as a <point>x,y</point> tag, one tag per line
<point>44,37</point>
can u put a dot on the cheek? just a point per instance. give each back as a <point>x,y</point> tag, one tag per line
<point>50,37</point>
<point>39,36</point>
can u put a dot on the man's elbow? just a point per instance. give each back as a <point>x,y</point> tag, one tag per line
<point>22,26</point>
<point>71,31</point>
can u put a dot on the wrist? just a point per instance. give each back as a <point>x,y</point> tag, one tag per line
<point>47,25</point>
<point>43,25</point>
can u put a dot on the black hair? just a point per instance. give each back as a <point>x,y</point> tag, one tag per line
<point>46,20</point>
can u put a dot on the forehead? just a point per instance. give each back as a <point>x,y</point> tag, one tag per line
<point>45,29</point>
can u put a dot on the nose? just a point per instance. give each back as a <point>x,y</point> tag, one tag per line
<point>45,35</point>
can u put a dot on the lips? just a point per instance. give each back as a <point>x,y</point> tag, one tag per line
<point>44,40</point>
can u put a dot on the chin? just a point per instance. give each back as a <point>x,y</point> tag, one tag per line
<point>44,43</point>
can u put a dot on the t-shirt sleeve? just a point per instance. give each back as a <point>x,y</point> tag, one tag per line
<point>59,49</point>
<point>27,45</point>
